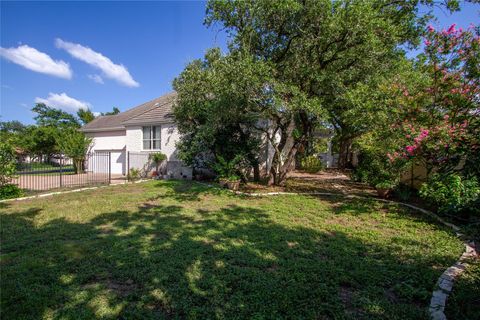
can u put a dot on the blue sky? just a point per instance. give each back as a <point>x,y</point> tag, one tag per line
<point>106,54</point>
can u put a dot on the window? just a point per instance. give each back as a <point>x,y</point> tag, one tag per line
<point>151,138</point>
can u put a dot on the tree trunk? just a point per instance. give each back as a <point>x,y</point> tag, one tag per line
<point>256,172</point>
<point>287,149</point>
<point>344,156</point>
<point>78,166</point>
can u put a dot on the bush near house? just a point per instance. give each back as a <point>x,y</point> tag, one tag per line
<point>311,164</point>
<point>157,158</point>
<point>453,194</point>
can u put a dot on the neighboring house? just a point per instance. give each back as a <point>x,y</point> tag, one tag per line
<point>132,135</point>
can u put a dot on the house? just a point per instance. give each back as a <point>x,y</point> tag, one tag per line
<point>131,136</point>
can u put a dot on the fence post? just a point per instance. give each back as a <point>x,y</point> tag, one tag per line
<point>61,170</point>
<point>109,167</point>
<point>128,163</point>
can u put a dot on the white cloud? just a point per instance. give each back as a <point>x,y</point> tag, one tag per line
<point>98,60</point>
<point>32,59</point>
<point>97,114</point>
<point>64,102</point>
<point>96,78</point>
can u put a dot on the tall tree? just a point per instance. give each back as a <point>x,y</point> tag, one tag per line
<point>321,49</point>
<point>218,103</point>
<point>75,145</point>
<point>51,117</point>
<point>114,111</point>
<point>40,140</point>
<point>85,115</point>
<point>13,126</point>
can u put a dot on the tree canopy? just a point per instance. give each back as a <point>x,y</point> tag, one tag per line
<point>51,117</point>
<point>307,63</point>
<point>85,116</point>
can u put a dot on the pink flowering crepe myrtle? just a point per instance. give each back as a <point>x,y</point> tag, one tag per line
<point>452,58</point>
<point>434,144</point>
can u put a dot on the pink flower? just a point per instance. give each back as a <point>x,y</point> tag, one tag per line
<point>410,149</point>
<point>427,42</point>
<point>432,29</point>
<point>445,117</point>
<point>452,28</point>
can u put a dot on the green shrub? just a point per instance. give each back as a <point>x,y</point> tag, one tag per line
<point>10,191</point>
<point>133,174</point>
<point>311,164</point>
<point>403,192</point>
<point>7,163</point>
<point>387,184</point>
<point>374,168</point>
<point>452,194</point>
<point>157,158</point>
<point>230,170</point>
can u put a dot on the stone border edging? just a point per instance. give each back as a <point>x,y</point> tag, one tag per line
<point>43,195</point>
<point>444,284</point>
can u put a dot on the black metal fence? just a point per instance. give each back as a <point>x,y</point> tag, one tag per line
<point>40,173</point>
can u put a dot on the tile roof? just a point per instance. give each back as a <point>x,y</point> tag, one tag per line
<point>158,110</point>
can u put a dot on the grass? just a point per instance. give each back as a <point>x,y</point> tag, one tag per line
<point>176,249</point>
<point>37,166</point>
<point>49,173</point>
<point>464,301</point>
<point>44,169</point>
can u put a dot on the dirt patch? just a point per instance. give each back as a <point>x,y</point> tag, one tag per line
<point>328,181</point>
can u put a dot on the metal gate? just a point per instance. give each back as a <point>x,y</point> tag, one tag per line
<point>42,172</point>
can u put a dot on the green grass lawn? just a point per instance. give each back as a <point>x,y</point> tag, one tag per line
<point>174,249</point>
<point>464,302</point>
<point>42,166</point>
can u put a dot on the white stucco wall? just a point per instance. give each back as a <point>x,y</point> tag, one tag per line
<point>120,143</point>
<point>109,140</point>
<point>169,136</point>
<point>134,139</point>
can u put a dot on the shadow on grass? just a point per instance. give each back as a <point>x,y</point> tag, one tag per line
<point>182,191</point>
<point>328,185</point>
<point>171,261</point>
